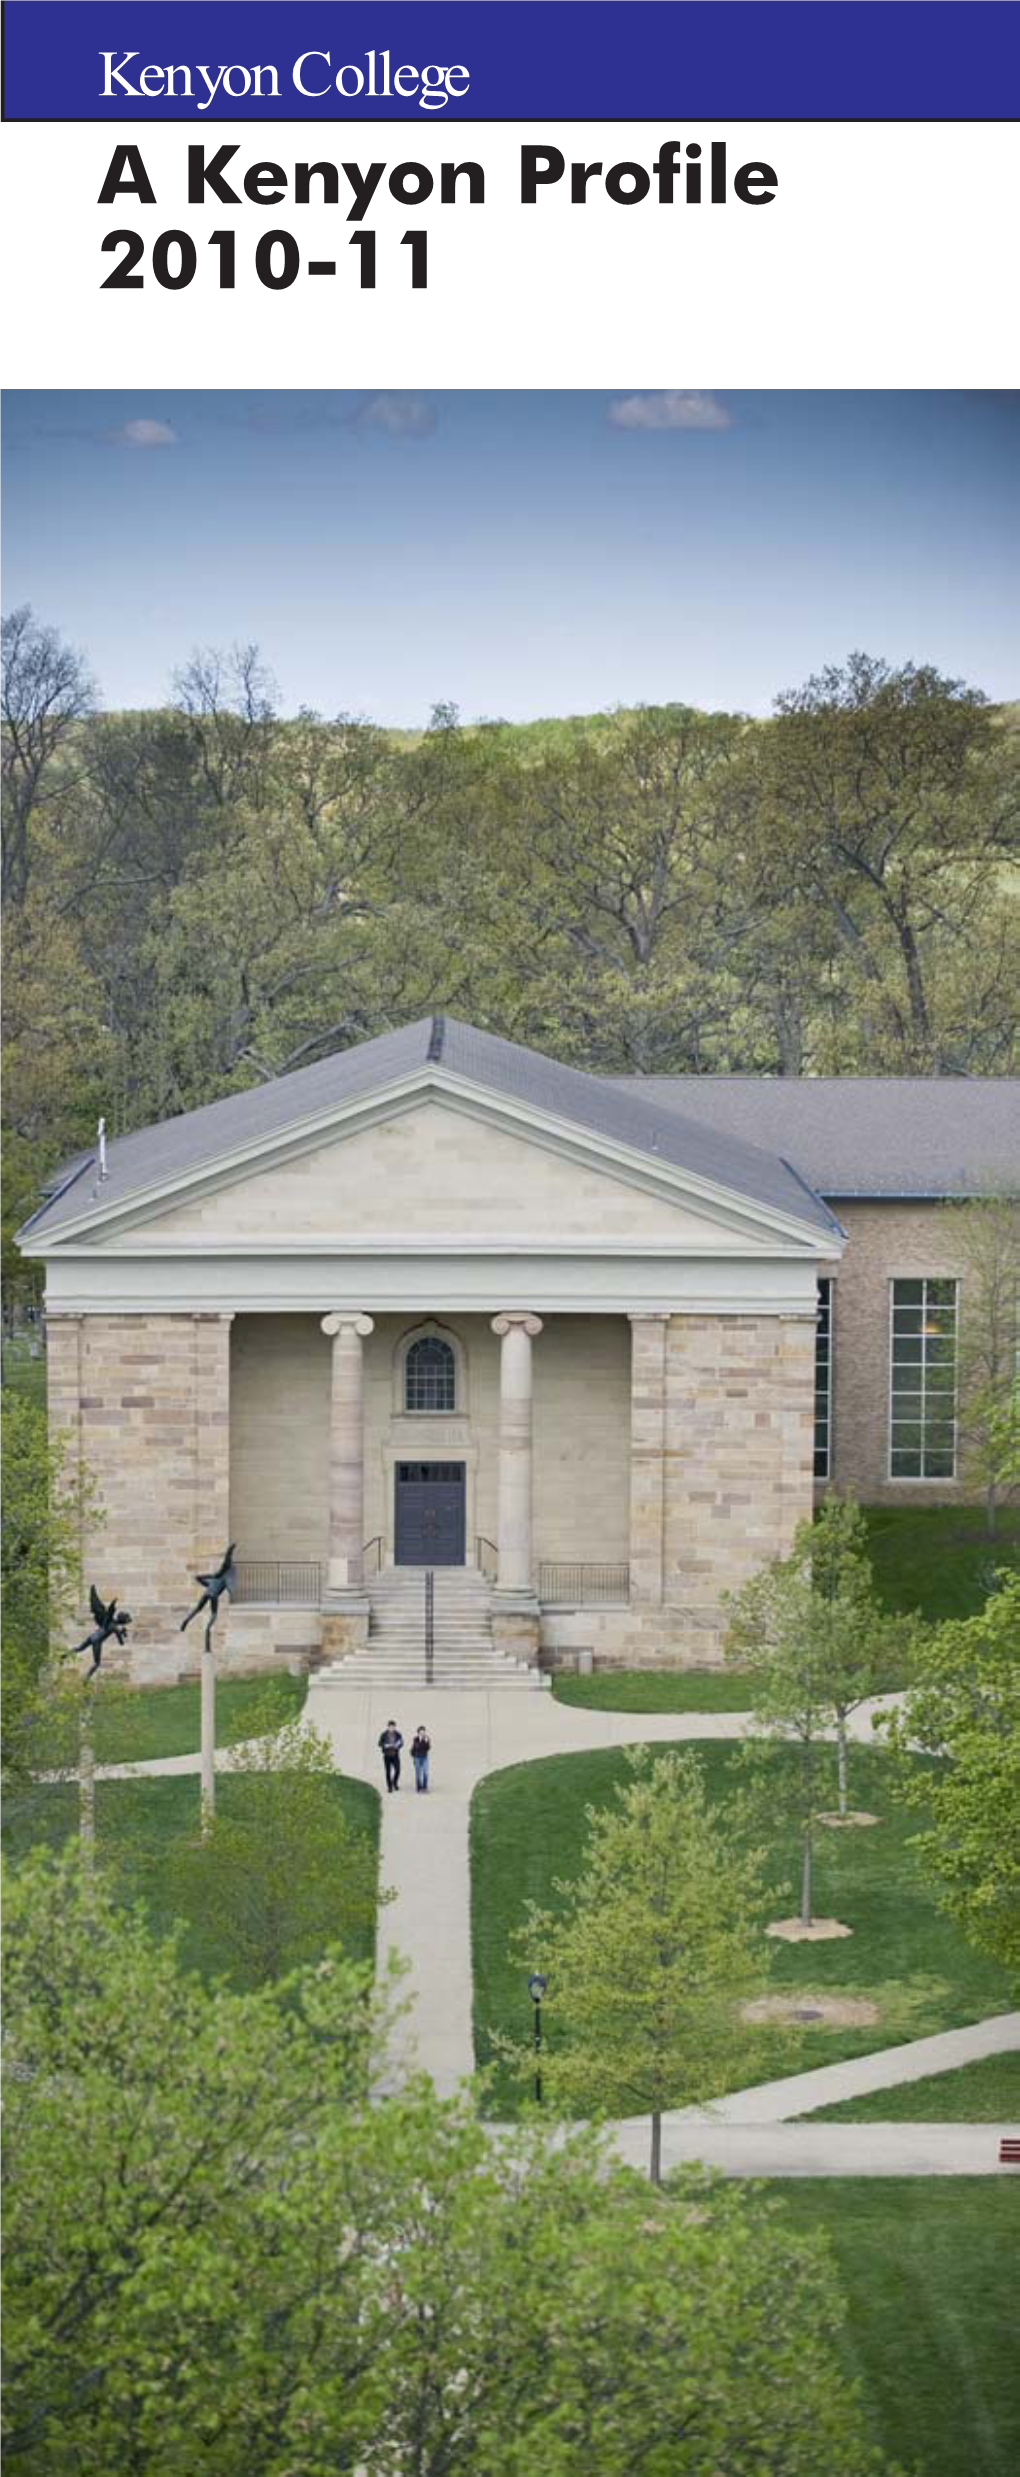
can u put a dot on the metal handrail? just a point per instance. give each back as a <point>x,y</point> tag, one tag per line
<point>482,1548</point>
<point>430,1627</point>
<point>288,1582</point>
<point>378,1543</point>
<point>583,1584</point>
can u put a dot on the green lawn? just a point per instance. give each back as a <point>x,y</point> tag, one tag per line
<point>527,1827</point>
<point>655,1690</point>
<point>136,1823</point>
<point>933,1558</point>
<point>25,1370</point>
<point>663,1690</point>
<point>984,2093</point>
<point>937,1558</point>
<point>929,2268</point>
<point>164,1720</point>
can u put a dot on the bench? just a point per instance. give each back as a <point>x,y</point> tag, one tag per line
<point>1009,2150</point>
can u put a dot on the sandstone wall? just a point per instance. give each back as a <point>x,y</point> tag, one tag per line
<point>144,1405</point>
<point>280,1432</point>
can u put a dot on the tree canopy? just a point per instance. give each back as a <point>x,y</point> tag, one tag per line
<point>964,1710</point>
<point>210,894</point>
<point>222,2254</point>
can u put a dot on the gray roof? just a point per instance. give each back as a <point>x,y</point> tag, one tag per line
<point>862,1135</point>
<point>642,1118</point>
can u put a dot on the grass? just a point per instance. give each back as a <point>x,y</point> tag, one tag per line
<point>164,1720</point>
<point>987,2092</point>
<point>928,2268</point>
<point>938,1558</point>
<point>24,1370</point>
<point>528,1827</point>
<point>654,1690</point>
<point>137,1822</point>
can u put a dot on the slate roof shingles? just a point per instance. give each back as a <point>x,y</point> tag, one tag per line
<point>864,1135</point>
<point>784,1142</point>
<point>154,1155</point>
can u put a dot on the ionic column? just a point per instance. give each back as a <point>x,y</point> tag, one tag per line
<point>647,1457</point>
<point>347,1331</point>
<point>517,1330</point>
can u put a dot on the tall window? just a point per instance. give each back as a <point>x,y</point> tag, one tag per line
<point>430,1375</point>
<point>922,1438</point>
<point>823,1379</point>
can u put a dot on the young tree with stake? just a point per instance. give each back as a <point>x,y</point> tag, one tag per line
<point>864,1648</point>
<point>657,1937</point>
<point>808,1633</point>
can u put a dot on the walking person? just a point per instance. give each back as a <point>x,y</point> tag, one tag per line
<point>421,1748</point>
<point>390,1744</point>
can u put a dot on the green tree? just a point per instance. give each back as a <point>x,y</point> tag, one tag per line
<point>223,2254</point>
<point>282,1874</point>
<point>1004,1437</point>
<point>893,798</point>
<point>46,1503</point>
<point>964,1709</point>
<point>986,1240</point>
<point>865,1649</point>
<point>655,1940</point>
<point>45,690</point>
<point>795,1642</point>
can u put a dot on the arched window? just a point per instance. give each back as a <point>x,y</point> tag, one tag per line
<point>430,1375</point>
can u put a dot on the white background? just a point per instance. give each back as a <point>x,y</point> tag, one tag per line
<point>882,262</point>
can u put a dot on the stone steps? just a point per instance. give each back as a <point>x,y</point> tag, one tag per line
<point>465,1656</point>
<point>354,1674</point>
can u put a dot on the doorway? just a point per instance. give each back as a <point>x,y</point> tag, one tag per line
<point>429,1524</point>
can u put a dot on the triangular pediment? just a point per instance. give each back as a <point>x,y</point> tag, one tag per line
<point>442,1168</point>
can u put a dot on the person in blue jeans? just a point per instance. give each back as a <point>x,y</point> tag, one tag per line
<point>421,1747</point>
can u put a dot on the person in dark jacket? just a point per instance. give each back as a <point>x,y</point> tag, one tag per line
<point>421,1748</point>
<point>390,1744</point>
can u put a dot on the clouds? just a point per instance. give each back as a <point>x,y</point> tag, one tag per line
<point>400,415</point>
<point>143,432</point>
<point>670,409</point>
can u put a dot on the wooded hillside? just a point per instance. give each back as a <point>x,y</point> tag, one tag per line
<point>209,894</point>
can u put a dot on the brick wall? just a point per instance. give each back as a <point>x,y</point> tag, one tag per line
<point>883,1241</point>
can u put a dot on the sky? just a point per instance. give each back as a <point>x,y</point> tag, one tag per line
<point>521,553</point>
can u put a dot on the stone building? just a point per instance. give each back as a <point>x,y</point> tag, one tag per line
<point>587,1347</point>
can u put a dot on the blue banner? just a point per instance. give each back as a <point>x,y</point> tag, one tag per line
<point>351,60</point>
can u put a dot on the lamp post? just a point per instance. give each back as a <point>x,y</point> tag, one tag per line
<point>536,1989</point>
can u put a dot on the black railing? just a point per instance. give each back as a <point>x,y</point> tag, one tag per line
<point>430,1628</point>
<point>487,1558</point>
<point>372,1554</point>
<point>290,1582</point>
<point>583,1585</point>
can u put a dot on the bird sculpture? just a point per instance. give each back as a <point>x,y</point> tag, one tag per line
<point>111,1625</point>
<point>213,1588</point>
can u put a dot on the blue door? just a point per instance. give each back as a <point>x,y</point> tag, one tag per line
<point>430,1517</point>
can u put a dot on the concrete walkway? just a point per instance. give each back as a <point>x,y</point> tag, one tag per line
<point>821,2149</point>
<point>425,1859</point>
<point>889,2068</point>
<point>425,1855</point>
